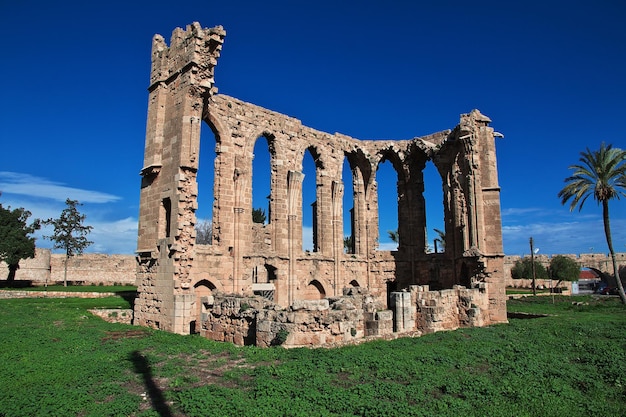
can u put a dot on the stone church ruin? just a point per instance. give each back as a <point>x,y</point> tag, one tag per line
<point>254,284</point>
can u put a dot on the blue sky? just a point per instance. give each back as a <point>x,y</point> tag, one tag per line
<point>549,74</point>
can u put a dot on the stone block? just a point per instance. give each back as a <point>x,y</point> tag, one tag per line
<point>384,315</point>
<point>311,305</point>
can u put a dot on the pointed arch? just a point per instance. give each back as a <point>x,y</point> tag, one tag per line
<point>204,284</point>
<point>348,207</point>
<point>214,183</point>
<point>356,217</point>
<point>203,290</point>
<point>263,157</point>
<point>220,130</point>
<point>414,225</point>
<point>435,205</point>
<point>314,291</point>
<point>311,199</point>
<point>207,182</point>
<point>391,193</point>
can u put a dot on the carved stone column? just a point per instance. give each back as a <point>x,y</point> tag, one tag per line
<point>294,185</point>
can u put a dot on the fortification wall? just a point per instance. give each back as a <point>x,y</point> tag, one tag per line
<point>35,269</point>
<point>599,261</point>
<point>88,269</point>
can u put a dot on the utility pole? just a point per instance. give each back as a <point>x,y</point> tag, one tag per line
<point>532,265</point>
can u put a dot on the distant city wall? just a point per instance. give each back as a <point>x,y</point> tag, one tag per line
<point>599,261</point>
<point>88,269</point>
<point>96,269</point>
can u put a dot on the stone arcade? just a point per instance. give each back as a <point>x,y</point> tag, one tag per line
<point>255,284</point>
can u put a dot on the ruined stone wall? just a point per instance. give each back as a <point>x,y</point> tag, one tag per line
<point>332,321</point>
<point>246,259</point>
<point>354,317</point>
<point>450,309</point>
<point>238,125</point>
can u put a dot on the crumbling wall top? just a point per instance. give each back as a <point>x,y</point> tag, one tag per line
<point>193,46</point>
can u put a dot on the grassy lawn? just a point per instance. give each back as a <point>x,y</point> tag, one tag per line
<point>56,359</point>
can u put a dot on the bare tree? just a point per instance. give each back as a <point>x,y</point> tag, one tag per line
<point>69,232</point>
<point>204,232</point>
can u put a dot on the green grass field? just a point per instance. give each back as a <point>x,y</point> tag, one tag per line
<point>56,359</point>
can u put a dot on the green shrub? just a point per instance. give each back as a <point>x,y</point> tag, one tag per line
<point>281,337</point>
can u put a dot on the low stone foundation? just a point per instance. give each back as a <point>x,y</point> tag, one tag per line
<point>450,309</point>
<point>352,318</point>
<point>6,294</point>
<point>114,315</point>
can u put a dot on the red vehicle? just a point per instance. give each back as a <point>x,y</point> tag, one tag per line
<point>609,291</point>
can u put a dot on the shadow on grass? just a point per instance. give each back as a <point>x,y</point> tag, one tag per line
<point>154,393</point>
<point>22,283</point>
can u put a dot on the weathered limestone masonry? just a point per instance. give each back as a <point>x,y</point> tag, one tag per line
<point>87,269</point>
<point>185,287</point>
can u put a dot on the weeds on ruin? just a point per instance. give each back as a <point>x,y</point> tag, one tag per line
<point>281,337</point>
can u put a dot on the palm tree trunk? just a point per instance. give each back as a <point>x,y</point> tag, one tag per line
<point>609,241</point>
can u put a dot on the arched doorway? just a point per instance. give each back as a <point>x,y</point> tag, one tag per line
<point>204,298</point>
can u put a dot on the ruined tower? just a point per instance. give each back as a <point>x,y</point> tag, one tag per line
<point>181,81</point>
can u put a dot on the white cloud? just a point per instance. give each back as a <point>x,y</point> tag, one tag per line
<point>519,211</point>
<point>556,230</point>
<point>46,199</point>
<point>388,246</point>
<point>564,237</point>
<point>110,237</point>
<point>119,236</point>
<point>307,238</point>
<point>29,185</point>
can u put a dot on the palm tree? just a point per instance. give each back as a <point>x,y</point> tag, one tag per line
<point>347,244</point>
<point>601,174</point>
